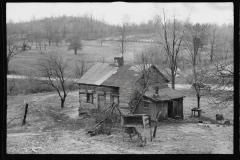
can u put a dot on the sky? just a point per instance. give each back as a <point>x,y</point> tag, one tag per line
<point>113,12</point>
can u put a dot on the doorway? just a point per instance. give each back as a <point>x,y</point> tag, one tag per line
<point>170,109</point>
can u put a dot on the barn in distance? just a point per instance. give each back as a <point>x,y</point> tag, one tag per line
<point>119,82</point>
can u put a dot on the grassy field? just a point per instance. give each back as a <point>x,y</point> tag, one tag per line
<point>92,51</point>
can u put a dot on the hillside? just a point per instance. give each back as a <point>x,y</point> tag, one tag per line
<point>51,130</point>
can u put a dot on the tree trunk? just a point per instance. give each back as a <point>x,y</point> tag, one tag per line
<point>75,51</point>
<point>173,80</point>
<point>154,132</point>
<point>211,55</point>
<point>49,42</point>
<point>62,103</point>
<point>198,101</point>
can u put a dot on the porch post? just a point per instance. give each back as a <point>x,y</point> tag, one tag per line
<point>97,104</point>
<point>80,104</point>
<point>105,94</point>
<point>111,98</point>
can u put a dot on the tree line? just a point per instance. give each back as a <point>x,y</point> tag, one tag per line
<point>177,43</point>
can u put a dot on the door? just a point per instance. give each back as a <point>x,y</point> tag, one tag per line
<point>170,109</point>
<point>175,109</point>
<point>101,101</point>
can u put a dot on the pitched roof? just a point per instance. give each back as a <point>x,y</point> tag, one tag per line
<point>164,94</point>
<point>109,75</point>
<point>98,73</point>
<point>123,75</point>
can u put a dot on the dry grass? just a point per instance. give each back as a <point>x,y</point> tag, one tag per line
<point>92,52</point>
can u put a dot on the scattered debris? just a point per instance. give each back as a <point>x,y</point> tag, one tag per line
<point>105,125</point>
<point>227,122</point>
<point>177,117</point>
<point>83,113</point>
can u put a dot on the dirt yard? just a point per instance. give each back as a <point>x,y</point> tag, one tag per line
<point>51,130</point>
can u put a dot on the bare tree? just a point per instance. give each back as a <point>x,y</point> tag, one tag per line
<point>54,68</point>
<point>170,38</point>
<point>12,49</point>
<point>75,44</point>
<point>47,25</point>
<point>223,92</point>
<point>57,38</point>
<point>213,40</point>
<point>199,87</point>
<point>148,78</point>
<point>123,33</point>
<point>195,40</point>
<point>80,68</point>
<point>223,76</point>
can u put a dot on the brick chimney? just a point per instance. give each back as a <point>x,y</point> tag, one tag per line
<point>156,93</point>
<point>118,61</point>
<point>156,90</point>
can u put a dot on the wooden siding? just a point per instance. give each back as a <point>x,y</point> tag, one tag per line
<point>167,108</point>
<point>154,109</point>
<point>163,107</point>
<point>126,88</point>
<point>99,88</point>
<point>175,108</point>
<point>179,107</point>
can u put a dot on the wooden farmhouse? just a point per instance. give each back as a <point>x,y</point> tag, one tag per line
<point>119,81</point>
<point>161,104</point>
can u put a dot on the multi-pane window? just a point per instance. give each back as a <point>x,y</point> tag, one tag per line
<point>89,97</point>
<point>146,106</point>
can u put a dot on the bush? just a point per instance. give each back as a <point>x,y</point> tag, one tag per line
<point>20,86</point>
<point>31,86</point>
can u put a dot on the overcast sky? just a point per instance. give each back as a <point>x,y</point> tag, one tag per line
<point>112,12</point>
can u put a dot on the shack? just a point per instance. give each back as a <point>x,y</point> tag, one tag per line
<point>116,81</point>
<point>161,104</point>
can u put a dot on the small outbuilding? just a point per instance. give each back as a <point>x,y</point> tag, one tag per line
<point>161,104</point>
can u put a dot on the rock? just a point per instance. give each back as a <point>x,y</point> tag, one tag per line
<point>226,122</point>
<point>219,117</point>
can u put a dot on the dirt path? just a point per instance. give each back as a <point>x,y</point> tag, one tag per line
<point>187,138</point>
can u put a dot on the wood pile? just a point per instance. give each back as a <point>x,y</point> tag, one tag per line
<point>106,124</point>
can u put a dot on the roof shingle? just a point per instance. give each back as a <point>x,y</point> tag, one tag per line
<point>164,94</point>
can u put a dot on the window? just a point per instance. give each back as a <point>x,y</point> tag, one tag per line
<point>89,97</point>
<point>145,106</point>
<point>114,98</point>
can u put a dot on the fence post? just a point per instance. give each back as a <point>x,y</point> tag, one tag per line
<point>25,115</point>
